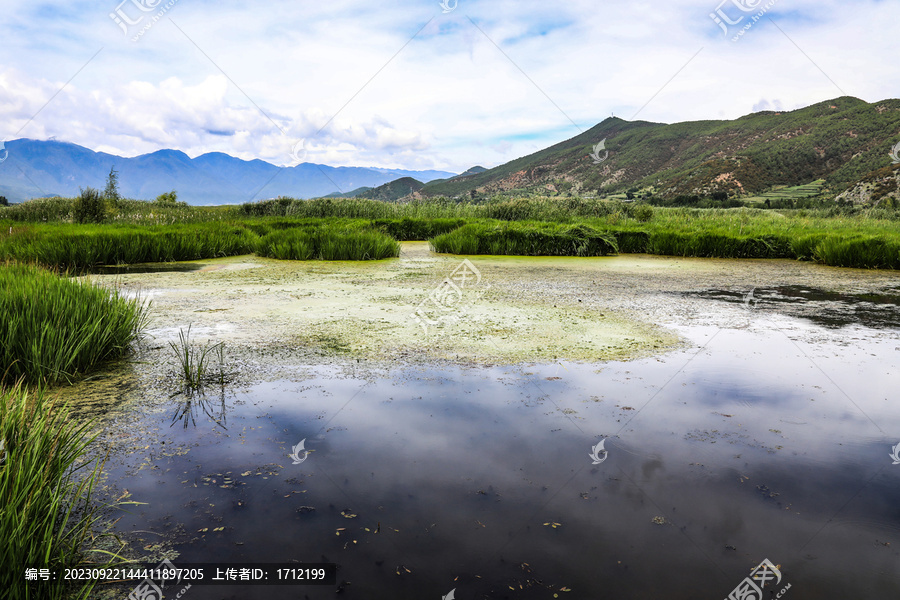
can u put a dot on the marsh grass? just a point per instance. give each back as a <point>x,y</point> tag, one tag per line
<point>847,236</point>
<point>194,362</point>
<point>83,247</point>
<point>47,518</point>
<point>328,242</point>
<point>526,239</point>
<point>55,329</point>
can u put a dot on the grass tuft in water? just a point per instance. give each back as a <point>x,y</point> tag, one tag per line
<point>194,362</point>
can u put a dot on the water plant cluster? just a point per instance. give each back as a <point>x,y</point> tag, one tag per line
<point>194,362</point>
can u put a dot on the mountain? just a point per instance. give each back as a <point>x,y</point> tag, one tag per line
<point>467,173</point>
<point>473,171</point>
<point>880,187</point>
<point>50,168</point>
<point>841,141</point>
<point>393,190</point>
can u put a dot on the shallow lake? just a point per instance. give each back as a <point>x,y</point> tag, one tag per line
<point>766,434</point>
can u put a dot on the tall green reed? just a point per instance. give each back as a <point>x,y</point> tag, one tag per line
<point>47,517</point>
<point>54,329</point>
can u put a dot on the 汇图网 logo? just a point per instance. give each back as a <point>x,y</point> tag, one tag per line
<point>296,450</point>
<point>596,153</point>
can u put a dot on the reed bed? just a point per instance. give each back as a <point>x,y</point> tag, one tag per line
<point>124,211</point>
<point>47,518</point>
<point>86,246</point>
<point>526,239</point>
<point>834,235</point>
<point>54,329</point>
<point>327,242</point>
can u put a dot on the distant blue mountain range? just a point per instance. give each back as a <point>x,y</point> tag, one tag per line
<point>34,169</point>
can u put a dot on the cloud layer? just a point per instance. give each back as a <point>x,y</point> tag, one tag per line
<point>405,85</point>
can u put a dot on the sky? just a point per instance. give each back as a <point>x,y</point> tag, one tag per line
<point>417,84</point>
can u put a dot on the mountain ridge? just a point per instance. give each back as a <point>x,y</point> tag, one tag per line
<point>35,168</point>
<point>840,140</point>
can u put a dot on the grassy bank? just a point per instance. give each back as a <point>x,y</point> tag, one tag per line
<point>53,329</point>
<point>47,519</point>
<point>862,241</point>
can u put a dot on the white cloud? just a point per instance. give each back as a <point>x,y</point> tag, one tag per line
<point>448,99</point>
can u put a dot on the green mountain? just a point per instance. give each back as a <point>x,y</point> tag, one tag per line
<point>393,190</point>
<point>840,141</point>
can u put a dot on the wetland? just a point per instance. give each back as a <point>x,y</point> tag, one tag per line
<point>747,406</point>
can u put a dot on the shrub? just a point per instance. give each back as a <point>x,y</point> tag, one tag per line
<point>643,212</point>
<point>89,207</point>
<point>167,199</point>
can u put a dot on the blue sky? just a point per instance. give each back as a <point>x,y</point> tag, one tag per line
<point>406,85</point>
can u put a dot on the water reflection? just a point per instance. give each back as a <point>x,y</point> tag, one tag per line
<point>175,267</point>
<point>191,404</point>
<point>823,307</point>
<point>480,479</point>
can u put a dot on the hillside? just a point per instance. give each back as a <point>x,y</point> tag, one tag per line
<point>393,190</point>
<point>840,141</point>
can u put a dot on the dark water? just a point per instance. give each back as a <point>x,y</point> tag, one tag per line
<point>770,442</point>
<point>830,309</point>
<point>179,267</point>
